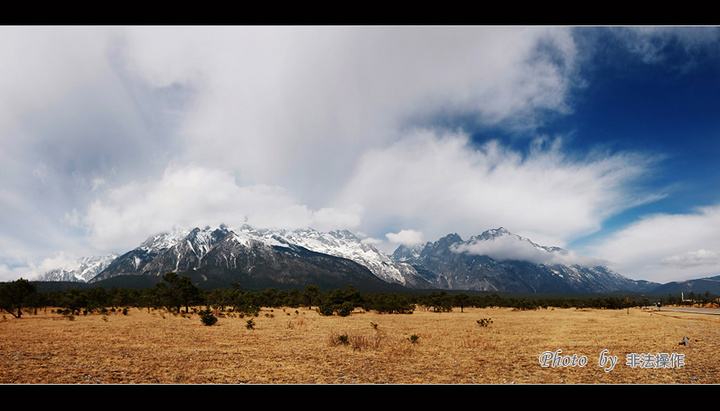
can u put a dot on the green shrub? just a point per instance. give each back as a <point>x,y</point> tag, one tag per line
<point>346,308</point>
<point>207,317</point>
<point>484,322</point>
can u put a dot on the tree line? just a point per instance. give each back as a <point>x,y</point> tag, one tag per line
<point>177,293</point>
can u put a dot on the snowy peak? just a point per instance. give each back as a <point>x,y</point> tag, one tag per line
<point>498,260</point>
<point>498,244</point>
<point>197,243</point>
<point>81,270</point>
<point>494,233</point>
<point>449,240</point>
<point>163,241</point>
<point>502,235</point>
<point>407,253</point>
<point>343,243</point>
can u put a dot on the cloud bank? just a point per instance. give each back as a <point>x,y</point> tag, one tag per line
<point>509,247</point>
<point>667,247</point>
<point>406,237</point>
<point>437,180</point>
<point>192,196</point>
<point>110,134</point>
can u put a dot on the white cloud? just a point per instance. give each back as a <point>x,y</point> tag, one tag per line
<point>190,196</point>
<point>372,241</point>
<point>667,247</point>
<point>509,247</point>
<point>40,65</point>
<point>406,237</point>
<point>58,260</point>
<point>9,274</point>
<point>693,259</point>
<point>651,44</point>
<point>506,248</point>
<point>289,126</point>
<point>288,105</point>
<point>29,269</point>
<point>291,109</point>
<point>436,182</point>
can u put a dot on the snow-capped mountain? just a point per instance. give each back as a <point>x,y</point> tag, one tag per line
<point>498,260</point>
<point>495,260</point>
<point>343,243</point>
<point>81,270</point>
<point>254,258</point>
<point>176,250</point>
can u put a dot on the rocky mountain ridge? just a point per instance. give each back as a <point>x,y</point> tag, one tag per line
<point>498,260</point>
<point>296,257</point>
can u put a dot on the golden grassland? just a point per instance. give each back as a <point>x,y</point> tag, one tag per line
<point>298,346</point>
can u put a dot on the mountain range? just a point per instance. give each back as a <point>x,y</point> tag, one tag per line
<point>257,259</point>
<point>495,260</point>
<point>498,260</point>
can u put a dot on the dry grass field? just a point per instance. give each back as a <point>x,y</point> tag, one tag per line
<point>289,346</point>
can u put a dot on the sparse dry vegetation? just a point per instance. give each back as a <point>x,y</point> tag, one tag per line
<point>300,346</point>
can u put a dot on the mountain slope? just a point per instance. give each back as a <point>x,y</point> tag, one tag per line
<point>495,260</point>
<point>698,286</point>
<point>343,243</point>
<point>257,265</point>
<point>134,261</point>
<point>498,260</point>
<point>82,270</point>
<point>257,260</point>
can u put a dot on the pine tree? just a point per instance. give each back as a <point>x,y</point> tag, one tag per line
<point>15,295</point>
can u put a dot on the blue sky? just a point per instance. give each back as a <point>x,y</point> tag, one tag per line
<point>600,140</point>
<point>667,109</point>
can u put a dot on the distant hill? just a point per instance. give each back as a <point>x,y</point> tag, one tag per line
<point>698,286</point>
